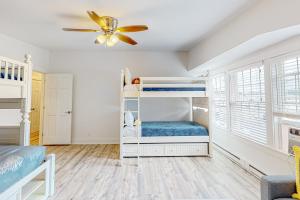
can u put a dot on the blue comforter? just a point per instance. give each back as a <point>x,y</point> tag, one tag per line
<point>169,89</point>
<point>18,161</point>
<point>176,128</point>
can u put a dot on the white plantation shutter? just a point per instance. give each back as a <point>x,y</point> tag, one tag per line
<point>219,101</point>
<point>247,103</point>
<point>286,86</point>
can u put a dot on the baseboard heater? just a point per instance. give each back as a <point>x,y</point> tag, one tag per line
<point>228,154</point>
<point>240,162</point>
<point>256,172</point>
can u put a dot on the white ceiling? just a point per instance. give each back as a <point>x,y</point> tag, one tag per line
<point>173,24</point>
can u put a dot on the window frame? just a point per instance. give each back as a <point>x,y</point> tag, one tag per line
<point>231,94</point>
<point>276,117</point>
<point>280,60</point>
<point>213,105</point>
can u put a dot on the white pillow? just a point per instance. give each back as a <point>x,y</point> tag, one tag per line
<point>129,119</point>
<point>127,77</point>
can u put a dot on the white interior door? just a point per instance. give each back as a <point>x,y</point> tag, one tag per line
<point>58,109</point>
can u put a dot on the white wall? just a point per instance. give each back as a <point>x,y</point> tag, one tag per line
<point>264,158</point>
<point>265,16</point>
<point>164,109</point>
<point>96,97</point>
<point>15,49</point>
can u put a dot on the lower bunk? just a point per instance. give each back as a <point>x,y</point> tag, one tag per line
<point>166,139</point>
<point>26,173</point>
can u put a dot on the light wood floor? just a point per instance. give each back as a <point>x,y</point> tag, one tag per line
<point>93,172</point>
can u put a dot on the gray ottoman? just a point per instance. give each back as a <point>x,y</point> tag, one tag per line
<point>277,187</point>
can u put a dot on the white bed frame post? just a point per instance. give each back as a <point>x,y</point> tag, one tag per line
<point>50,176</point>
<point>121,115</point>
<point>191,109</point>
<point>210,126</point>
<point>26,103</point>
<point>139,134</point>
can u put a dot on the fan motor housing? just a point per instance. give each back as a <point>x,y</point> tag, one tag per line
<point>111,24</point>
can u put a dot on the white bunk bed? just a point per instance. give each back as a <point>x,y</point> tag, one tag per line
<point>20,180</point>
<point>15,91</point>
<point>135,145</point>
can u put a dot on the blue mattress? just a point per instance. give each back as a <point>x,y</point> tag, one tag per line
<point>165,89</point>
<point>18,161</point>
<point>176,128</point>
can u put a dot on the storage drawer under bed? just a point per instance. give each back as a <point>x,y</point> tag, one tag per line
<point>177,149</point>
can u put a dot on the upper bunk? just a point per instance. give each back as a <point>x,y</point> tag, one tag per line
<point>15,78</point>
<point>164,86</point>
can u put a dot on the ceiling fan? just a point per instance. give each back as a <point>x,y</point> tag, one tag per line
<point>111,32</point>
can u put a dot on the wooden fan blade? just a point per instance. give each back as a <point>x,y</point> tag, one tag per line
<point>80,30</point>
<point>96,18</point>
<point>134,28</point>
<point>126,39</point>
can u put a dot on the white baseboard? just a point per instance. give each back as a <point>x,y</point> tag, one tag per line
<point>100,140</point>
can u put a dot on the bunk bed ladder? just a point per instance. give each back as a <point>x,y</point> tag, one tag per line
<point>124,108</point>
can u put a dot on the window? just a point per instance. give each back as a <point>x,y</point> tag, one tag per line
<point>286,86</point>
<point>219,101</point>
<point>247,104</point>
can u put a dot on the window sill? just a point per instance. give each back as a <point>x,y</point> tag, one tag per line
<point>259,145</point>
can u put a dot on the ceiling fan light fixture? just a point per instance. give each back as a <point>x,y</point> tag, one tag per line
<point>111,41</point>
<point>101,39</point>
<point>109,44</point>
<point>107,39</point>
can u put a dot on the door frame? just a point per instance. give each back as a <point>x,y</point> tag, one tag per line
<point>40,76</point>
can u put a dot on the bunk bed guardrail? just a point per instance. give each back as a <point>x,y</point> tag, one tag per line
<point>166,87</point>
<point>14,77</point>
<point>12,71</point>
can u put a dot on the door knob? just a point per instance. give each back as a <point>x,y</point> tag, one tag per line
<point>68,112</point>
<point>32,109</point>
